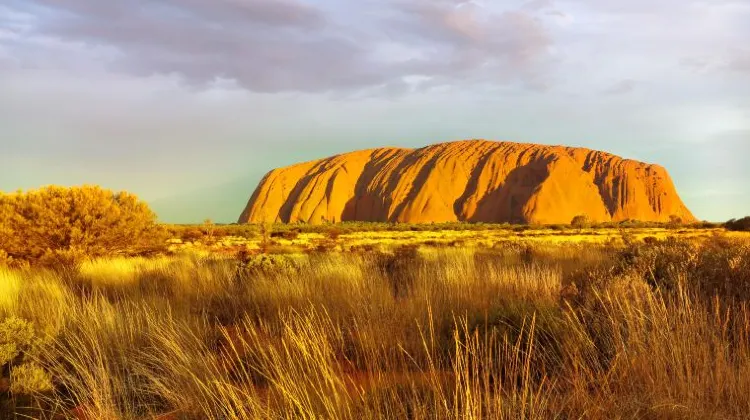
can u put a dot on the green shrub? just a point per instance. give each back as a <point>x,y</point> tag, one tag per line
<point>675,221</point>
<point>580,222</point>
<point>290,234</point>
<point>333,233</point>
<point>192,234</point>
<point>29,379</point>
<point>56,225</point>
<point>16,337</point>
<point>269,263</point>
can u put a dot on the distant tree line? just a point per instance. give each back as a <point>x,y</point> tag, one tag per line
<point>740,225</point>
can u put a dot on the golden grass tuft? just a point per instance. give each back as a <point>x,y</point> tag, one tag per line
<point>10,288</point>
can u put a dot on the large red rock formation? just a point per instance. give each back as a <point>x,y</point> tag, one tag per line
<point>473,180</point>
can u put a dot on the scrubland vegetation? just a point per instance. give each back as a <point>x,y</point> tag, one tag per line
<point>645,326</point>
<point>357,237</point>
<point>250,231</point>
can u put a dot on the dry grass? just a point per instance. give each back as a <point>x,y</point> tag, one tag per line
<point>443,236</point>
<point>515,332</point>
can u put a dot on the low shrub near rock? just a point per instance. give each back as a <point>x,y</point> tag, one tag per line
<point>580,222</point>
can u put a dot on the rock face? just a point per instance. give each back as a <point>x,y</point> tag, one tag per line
<point>473,180</point>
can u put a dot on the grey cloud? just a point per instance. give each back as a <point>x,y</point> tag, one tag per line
<point>741,63</point>
<point>287,45</point>
<point>695,63</point>
<point>665,8</point>
<point>464,39</point>
<point>622,87</point>
<point>535,5</point>
<point>272,13</point>
<point>736,63</point>
<point>265,45</point>
<point>457,24</point>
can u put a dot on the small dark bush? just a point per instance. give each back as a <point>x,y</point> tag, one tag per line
<point>333,233</point>
<point>290,234</point>
<point>675,222</point>
<point>191,234</point>
<point>398,268</point>
<point>580,222</point>
<point>707,225</point>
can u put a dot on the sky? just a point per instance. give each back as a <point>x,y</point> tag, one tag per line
<point>187,103</point>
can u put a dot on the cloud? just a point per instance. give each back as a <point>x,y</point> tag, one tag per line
<point>740,63</point>
<point>537,5</point>
<point>464,40</point>
<point>287,45</point>
<point>622,87</point>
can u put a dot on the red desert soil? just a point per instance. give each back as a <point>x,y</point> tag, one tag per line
<point>472,180</point>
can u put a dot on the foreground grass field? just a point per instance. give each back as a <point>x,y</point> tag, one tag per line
<point>532,330</point>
